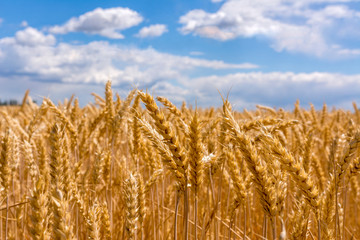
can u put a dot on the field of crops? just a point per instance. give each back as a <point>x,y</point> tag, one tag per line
<point>142,168</point>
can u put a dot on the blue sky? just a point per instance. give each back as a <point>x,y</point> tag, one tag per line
<point>264,52</point>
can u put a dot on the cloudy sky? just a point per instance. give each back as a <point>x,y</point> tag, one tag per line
<point>262,52</point>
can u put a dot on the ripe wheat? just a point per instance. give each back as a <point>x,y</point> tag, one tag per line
<point>129,169</point>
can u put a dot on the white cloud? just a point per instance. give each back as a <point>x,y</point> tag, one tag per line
<point>29,37</point>
<point>155,30</point>
<point>280,89</point>
<point>105,22</point>
<point>35,54</point>
<point>293,26</point>
<point>1,20</point>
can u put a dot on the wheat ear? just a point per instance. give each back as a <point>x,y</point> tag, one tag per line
<point>110,110</point>
<point>260,177</point>
<point>297,172</point>
<point>131,201</point>
<point>39,217</point>
<point>163,127</point>
<point>5,161</point>
<point>59,205</point>
<point>195,162</point>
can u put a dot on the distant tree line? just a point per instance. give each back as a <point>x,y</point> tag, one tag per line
<point>11,102</point>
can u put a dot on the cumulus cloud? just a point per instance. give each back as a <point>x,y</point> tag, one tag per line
<point>30,37</point>
<point>294,26</point>
<point>155,30</point>
<point>105,22</point>
<point>33,53</point>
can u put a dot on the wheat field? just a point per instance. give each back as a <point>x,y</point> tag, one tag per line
<point>142,168</point>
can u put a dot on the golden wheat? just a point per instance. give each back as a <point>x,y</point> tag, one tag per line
<point>129,169</point>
